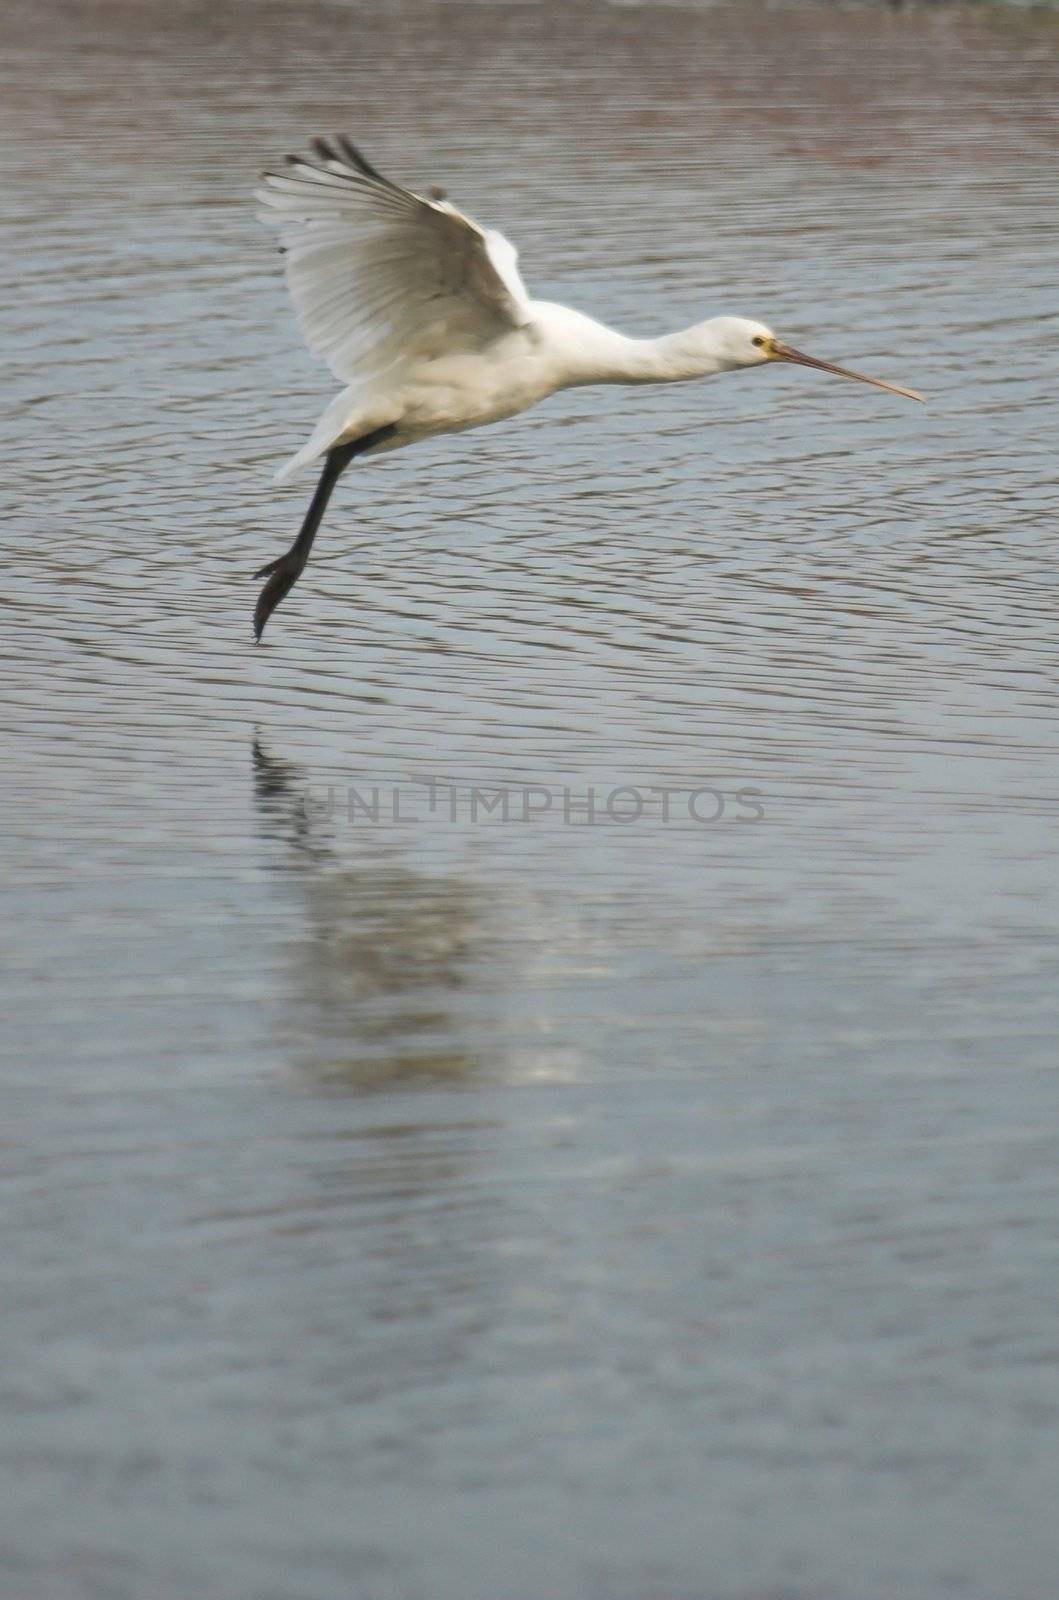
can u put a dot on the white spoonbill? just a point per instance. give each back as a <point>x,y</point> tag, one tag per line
<point>423,314</point>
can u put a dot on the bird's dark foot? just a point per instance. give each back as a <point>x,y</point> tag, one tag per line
<point>282,575</point>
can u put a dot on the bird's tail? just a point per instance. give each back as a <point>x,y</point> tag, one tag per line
<point>350,413</point>
<point>297,463</point>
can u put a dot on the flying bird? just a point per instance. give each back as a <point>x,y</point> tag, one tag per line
<point>422,313</point>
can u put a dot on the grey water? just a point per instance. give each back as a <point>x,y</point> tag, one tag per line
<point>539,1082</point>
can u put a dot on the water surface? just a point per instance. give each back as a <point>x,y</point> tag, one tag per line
<point>656,1201</point>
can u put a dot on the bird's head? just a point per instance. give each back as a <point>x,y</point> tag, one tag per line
<point>738,342</point>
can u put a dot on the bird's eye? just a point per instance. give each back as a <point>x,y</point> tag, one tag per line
<point>758,340</point>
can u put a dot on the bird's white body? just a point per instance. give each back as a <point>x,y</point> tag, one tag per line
<point>556,348</point>
<point>423,315</point>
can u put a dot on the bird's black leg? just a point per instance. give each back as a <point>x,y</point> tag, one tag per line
<point>284,572</point>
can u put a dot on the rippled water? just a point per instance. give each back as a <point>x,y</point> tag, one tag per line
<point>445,1207</point>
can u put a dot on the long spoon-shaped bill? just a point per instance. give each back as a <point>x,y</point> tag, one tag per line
<point>783,352</point>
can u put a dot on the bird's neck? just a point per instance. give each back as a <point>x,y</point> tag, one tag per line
<point>589,352</point>
<point>575,349</point>
<point>674,358</point>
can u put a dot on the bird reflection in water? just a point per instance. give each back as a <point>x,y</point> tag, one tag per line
<point>372,983</point>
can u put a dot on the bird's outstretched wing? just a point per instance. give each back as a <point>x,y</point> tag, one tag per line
<point>379,274</point>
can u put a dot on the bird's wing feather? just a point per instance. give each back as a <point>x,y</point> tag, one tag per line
<point>379,274</point>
